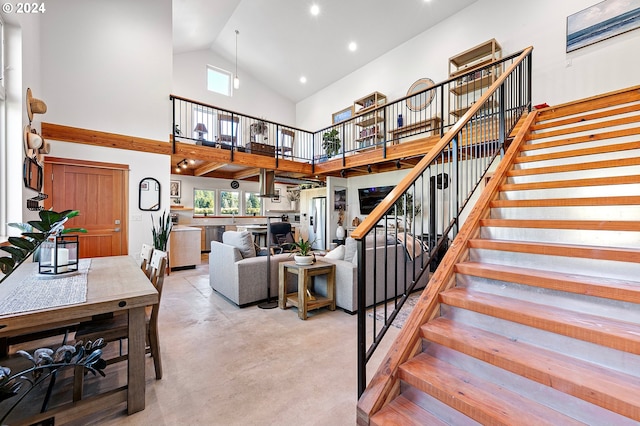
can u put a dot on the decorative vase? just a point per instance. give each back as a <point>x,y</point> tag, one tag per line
<point>303,260</point>
<point>400,120</point>
<point>294,205</point>
<point>340,232</point>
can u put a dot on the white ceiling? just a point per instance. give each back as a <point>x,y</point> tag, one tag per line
<point>280,40</point>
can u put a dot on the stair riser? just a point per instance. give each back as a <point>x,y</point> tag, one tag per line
<point>623,311</point>
<point>434,406</point>
<point>564,236</point>
<point>573,146</point>
<point>583,266</point>
<point>573,192</point>
<point>603,213</point>
<point>580,349</point>
<point>579,159</point>
<point>580,174</point>
<point>571,406</point>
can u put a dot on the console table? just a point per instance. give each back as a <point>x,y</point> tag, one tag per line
<point>302,298</point>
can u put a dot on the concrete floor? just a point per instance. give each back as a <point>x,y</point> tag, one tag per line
<point>229,366</point>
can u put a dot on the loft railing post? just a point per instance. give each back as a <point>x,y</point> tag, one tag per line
<point>344,142</point>
<point>362,330</point>
<point>377,131</point>
<point>456,174</point>
<point>501,117</point>
<point>173,124</point>
<point>278,145</point>
<point>442,110</point>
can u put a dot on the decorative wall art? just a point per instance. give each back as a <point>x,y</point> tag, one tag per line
<point>342,115</point>
<point>174,189</point>
<point>601,21</point>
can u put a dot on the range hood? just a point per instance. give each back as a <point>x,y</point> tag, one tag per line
<point>267,183</point>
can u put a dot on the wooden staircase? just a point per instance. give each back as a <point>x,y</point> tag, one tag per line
<point>533,317</point>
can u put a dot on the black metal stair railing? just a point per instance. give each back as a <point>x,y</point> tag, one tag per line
<point>402,241</point>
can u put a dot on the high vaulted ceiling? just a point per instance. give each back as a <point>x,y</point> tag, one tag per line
<point>279,40</point>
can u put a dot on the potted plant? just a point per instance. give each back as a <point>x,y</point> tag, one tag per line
<point>303,253</point>
<point>161,232</point>
<point>331,142</point>
<point>293,196</point>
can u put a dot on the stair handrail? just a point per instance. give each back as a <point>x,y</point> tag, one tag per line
<point>384,383</point>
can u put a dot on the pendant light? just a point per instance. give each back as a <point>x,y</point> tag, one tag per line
<point>236,80</point>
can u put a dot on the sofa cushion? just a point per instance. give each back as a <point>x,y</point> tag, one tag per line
<point>242,241</point>
<point>350,249</point>
<point>336,253</point>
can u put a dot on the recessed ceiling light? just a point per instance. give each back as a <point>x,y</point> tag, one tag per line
<point>303,79</point>
<point>315,9</point>
<point>353,46</point>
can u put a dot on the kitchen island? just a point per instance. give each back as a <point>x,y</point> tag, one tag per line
<point>184,247</point>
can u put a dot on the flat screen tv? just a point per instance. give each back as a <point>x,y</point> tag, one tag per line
<point>371,197</point>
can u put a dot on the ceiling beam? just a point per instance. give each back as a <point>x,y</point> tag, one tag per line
<point>208,168</point>
<point>246,173</point>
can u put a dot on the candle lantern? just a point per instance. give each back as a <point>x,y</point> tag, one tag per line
<point>59,255</point>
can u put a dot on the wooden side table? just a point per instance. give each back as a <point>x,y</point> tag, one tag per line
<point>301,298</point>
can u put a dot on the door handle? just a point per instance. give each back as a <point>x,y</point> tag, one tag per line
<point>117,230</point>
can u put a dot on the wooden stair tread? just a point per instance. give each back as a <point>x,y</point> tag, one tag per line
<point>578,152</point>
<point>402,412</point>
<point>566,202</point>
<point>478,399</point>
<point>621,121</point>
<point>622,290</point>
<point>565,250</point>
<point>571,183</point>
<point>595,225</point>
<point>586,117</point>
<point>610,389</point>
<point>589,165</point>
<point>602,331</point>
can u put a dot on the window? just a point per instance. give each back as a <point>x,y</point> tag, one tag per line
<point>219,80</point>
<point>252,204</point>
<point>204,202</point>
<point>229,202</point>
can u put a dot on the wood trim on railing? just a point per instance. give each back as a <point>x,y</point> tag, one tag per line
<point>372,219</point>
<point>407,343</point>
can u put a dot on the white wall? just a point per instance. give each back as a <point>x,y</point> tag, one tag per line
<point>107,65</point>
<point>602,67</point>
<point>252,98</point>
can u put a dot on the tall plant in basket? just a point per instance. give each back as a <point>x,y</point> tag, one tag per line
<point>161,231</point>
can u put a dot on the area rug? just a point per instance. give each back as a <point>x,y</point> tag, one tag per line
<point>402,316</point>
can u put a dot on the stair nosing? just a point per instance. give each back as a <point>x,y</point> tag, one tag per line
<point>594,225</point>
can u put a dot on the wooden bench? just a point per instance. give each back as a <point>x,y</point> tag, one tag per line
<point>415,128</point>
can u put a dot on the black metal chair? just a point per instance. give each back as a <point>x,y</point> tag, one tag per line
<point>281,237</point>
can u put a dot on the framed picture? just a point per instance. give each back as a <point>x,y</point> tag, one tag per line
<point>144,186</point>
<point>601,21</point>
<point>276,197</point>
<point>340,199</point>
<point>174,189</point>
<point>342,115</point>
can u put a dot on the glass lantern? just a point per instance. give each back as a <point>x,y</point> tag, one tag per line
<point>59,255</point>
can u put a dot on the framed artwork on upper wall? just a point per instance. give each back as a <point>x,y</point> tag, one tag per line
<point>174,189</point>
<point>601,21</point>
<point>342,115</point>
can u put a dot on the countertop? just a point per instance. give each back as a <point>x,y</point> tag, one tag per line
<point>178,228</point>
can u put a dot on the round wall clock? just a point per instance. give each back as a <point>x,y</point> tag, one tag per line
<point>235,184</point>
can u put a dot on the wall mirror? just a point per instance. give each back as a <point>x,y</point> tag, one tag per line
<point>149,194</point>
<point>32,174</point>
<point>421,101</point>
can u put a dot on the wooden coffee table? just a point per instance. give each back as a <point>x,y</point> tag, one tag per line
<point>301,298</point>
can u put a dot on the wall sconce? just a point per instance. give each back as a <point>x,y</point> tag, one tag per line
<point>59,255</point>
<point>202,130</point>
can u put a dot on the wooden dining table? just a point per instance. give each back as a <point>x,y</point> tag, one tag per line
<point>112,284</point>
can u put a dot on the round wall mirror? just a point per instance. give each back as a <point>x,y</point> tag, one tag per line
<point>422,100</point>
<point>149,194</point>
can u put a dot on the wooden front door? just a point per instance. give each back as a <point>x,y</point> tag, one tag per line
<point>99,192</point>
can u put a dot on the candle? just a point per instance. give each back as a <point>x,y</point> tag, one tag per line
<point>62,260</point>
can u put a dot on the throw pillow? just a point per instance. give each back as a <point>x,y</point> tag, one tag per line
<point>242,241</point>
<point>336,253</point>
<point>350,249</point>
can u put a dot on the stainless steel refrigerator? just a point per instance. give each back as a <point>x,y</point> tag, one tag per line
<point>318,223</point>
